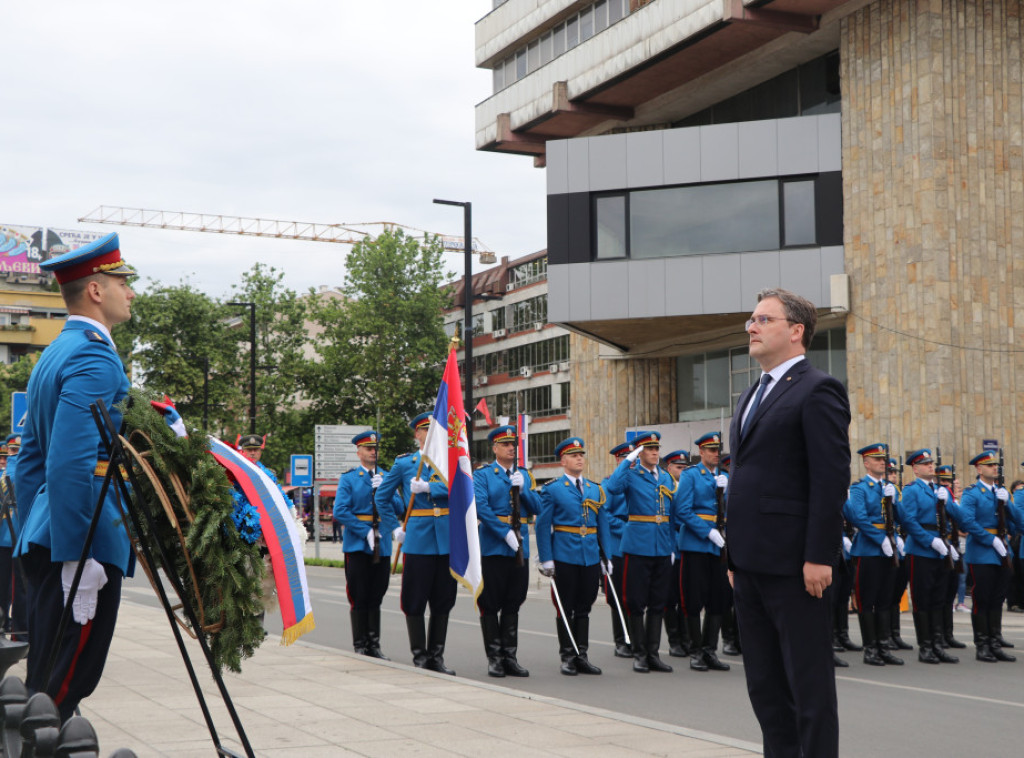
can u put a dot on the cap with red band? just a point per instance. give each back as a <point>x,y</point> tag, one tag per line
<point>100,257</point>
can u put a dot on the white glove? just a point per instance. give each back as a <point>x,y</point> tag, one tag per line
<point>900,545</point>
<point>419,486</point>
<point>1002,494</point>
<point>888,490</point>
<point>939,547</point>
<point>954,553</point>
<point>606,568</point>
<point>721,481</point>
<point>398,535</point>
<point>511,541</point>
<point>633,455</point>
<point>886,548</point>
<point>847,543</point>
<point>716,537</point>
<point>547,568</point>
<point>997,543</point>
<point>83,608</point>
<point>375,480</point>
<point>943,495</point>
<point>673,563</point>
<point>370,539</point>
<point>516,480</point>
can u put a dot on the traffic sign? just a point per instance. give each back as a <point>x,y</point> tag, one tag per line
<point>990,444</point>
<point>333,450</point>
<point>302,471</point>
<point>19,409</point>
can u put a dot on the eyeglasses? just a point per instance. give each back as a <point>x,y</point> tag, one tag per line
<point>764,320</point>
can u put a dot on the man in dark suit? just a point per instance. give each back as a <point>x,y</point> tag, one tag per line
<point>790,471</point>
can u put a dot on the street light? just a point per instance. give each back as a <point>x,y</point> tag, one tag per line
<point>252,363</point>
<point>467,294</point>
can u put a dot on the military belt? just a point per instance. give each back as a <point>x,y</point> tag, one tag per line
<point>505,519</point>
<point>361,517</point>
<point>658,519</point>
<point>429,512</point>
<point>103,466</point>
<point>878,526</point>
<point>707,516</point>
<point>581,530</point>
<point>992,531</point>
<point>930,527</point>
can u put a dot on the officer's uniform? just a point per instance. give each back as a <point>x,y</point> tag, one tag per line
<point>572,532</point>
<point>979,513</point>
<point>59,478</point>
<point>702,573</point>
<point>12,583</point>
<point>675,619</point>
<point>946,640</point>
<point>505,582</point>
<point>615,508</point>
<point>366,575</point>
<point>875,572</point>
<point>647,545</point>
<point>426,577</point>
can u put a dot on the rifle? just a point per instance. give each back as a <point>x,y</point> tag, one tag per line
<point>515,521</point>
<point>1001,530</point>
<point>720,520</point>
<point>942,519</point>
<point>887,517</point>
<point>375,520</point>
<point>954,530</point>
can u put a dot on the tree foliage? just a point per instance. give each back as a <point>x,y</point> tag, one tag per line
<point>13,378</point>
<point>382,347</point>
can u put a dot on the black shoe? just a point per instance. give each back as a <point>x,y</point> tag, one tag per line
<point>871,656</point>
<point>639,644</point>
<point>584,666</point>
<point>848,644</point>
<point>436,637</point>
<point>712,627</point>
<point>888,658</point>
<point>510,644</point>
<point>712,661</point>
<point>654,663</point>
<point>581,632</point>
<point>623,651</point>
<point>697,662</point>
<point>979,622</point>
<point>565,649</point>
<point>837,644</point>
<point>673,631</point>
<point>730,648</point>
<point>373,635</point>
<point>839,662</point>
<point>925,654</point>
<point>653,629</point>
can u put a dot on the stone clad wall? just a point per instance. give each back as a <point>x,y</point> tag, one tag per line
<point>610,395</point>
<point>934,224</point>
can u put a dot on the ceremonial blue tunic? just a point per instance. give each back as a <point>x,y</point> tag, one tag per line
<point>979,519</point>
<point>353,507</point>
<point>492,489</point>
<point>918,518</point>
<point>571,525</point>
<point>5,533</point>
<point>649,496</point>
<point>424,534</point>
<point>864,510</point>
<point>696,507</point>
<point>615,506</point>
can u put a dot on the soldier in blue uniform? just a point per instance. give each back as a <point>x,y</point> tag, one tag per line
<point>572,535</point>
<point>984,555</point>
<point>60,474</point>
<point>702,574</point>
<point>366,575</point>
<point>615,507</point>
<point>892,639</point>
<point>675,463</point>
<point>12,583</point>
<point>426,578</point>
<point>647,545</point>
<point>872,552</point>
<point>926,551</point>
<point>946,640</point>
<point>730,629</point>
<point>505,582</point>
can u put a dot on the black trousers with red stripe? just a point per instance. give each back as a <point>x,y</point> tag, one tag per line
<point>703,580</point>
<point>874,583</point>
<point>83,649</point>
<point>366,582</point>
<point>647,580</point>
<point>426,579</point>
<point>12,590</point>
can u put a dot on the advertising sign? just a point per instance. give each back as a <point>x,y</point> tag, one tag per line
<point>23,248</point>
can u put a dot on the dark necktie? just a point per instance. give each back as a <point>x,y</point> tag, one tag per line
<point>765,380</point>
<point>579,486</point>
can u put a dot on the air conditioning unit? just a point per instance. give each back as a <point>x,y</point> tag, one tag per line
<point>553,368</point>
<point>483,380</point>
<point>509,287</point>
<point>564,365</point>
<point>499,334</point>
<point>526,371</point>
<point>538,326</point>
<point>476,381</point>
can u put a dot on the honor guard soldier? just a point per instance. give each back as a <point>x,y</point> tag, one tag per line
<point>12,585</point>
<point>675,463</point>
<point>893,640</point>
<point>615,507</point>
<point>730,629</point>
<point>987,555</point>
<point>505,581</point>
<point>368,526</point>
<point>426,578</point>
<point>699,504</point>
<point>926,550</point>
<point>946,477</point>
<point>60,475</point>
<point>874,554</point>
<point>647,545</point>
<point>572,535</point>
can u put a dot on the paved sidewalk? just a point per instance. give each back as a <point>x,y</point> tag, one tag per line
<point>310,701</point>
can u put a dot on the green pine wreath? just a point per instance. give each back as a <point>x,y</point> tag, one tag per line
<point>189,496</point>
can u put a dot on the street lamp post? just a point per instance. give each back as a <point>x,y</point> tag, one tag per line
<point>252,363</point>
<point>467,294</point>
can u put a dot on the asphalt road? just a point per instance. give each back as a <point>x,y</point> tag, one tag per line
<point>971,708</point>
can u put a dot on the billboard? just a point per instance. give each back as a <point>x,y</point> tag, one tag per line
<point>23,248</point>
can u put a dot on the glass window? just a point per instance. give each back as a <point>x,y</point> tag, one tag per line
<point>798,213</point>
<point>709,218</point>
<point>498,77</point>
<point>533,56</point>
<point>702,385</point>
<point>572,32</point>
<point>498,318</point>
<point>610,222</point>
<point>510,70</point>
<point>520,64</point>
<point>615,10</point>
<point>546,49</point>
<point>600,16</point>
<point>828,352</point>
<point>586,24</point>
<point>558,40</point>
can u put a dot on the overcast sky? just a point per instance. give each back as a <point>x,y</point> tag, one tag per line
<point>331,111</point>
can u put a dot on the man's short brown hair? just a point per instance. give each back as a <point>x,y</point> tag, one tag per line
<point>798,310</point>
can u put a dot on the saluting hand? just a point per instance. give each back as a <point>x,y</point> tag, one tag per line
<point>817,577</point>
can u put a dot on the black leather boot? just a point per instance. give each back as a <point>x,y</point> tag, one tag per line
<point>373,635</point>
<point>712,626</point>
<point>510,644</point>
<point>417,640</point>
<point>839,662</point>
<point>935,617</point>
<point>947,628</point>
<point>731,634</point>
<point>653,626</point>
<point>979,622</point>
<point>882,629</point>
<point>622,650</point>
<point>843,631</point>
<point>674,634</point>
<point>995,621</point>
<point>565,649</point>
<point>867,634</point>
<point>995,640</point>
<point>697,648</point>
<point>437,634</point>
<point>894,621</point>
<point>492,645</point>
<point>639,643</point>
<point>922,628</point>
<point>359,626</point>
<point>581,631</point>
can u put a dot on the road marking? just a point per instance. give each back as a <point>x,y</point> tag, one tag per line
<point>927,691</point>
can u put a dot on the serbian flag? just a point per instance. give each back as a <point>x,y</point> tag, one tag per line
<point>446,449</point>
<point>280,534</point>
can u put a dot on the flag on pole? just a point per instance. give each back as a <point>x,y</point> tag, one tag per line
<point>281,535</point>
<point>523,435</point>
<point>482,407</point>
<point>446,449</point>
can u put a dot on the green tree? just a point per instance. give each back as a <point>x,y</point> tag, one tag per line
<point>382,346</point>
<point>13,378</point>
<point>176,337</point>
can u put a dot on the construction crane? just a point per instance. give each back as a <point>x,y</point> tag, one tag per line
<point>345,234</point>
